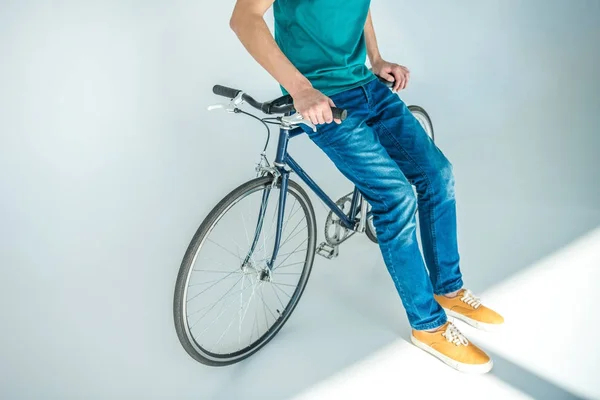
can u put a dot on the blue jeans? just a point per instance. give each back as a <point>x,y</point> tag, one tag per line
<point>384,150</point>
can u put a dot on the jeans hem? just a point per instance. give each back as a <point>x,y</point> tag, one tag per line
<point>432,325</point>
<point>450,288</point>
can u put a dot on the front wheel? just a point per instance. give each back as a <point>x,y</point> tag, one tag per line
<point>228,304</point>
<point>423,117</point>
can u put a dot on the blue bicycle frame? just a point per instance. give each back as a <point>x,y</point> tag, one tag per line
<point>283,159</point>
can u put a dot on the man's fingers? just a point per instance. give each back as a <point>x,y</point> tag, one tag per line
<point>320,118</point>
<point>312,117</point>
<point>387,76</point>
<point>401,73</point>
<point>319,115</point>
<point>398,83</point>
<point>401,82</point>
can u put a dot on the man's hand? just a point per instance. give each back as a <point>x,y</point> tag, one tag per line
<point>392,72</point>
<point>314,105</point>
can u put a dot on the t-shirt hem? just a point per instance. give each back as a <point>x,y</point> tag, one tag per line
<point>333,92</point>
<point>360,83</point>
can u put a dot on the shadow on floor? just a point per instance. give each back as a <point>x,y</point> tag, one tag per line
<point>528,382</point>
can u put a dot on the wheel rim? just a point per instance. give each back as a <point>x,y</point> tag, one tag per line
<point>249,307</point>
<point>424,121</point>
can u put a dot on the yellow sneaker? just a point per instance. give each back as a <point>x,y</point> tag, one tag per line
<point>451,347</point>
<point>468,308</point>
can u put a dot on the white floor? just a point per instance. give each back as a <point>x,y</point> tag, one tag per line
<point>548,348</point>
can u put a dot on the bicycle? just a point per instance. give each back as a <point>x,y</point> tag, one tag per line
<point>257,274</point>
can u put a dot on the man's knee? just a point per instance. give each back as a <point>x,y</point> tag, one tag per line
<point>442,179</point>
<point>401,203</point>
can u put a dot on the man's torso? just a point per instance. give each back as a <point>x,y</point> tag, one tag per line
<point>324,39</point>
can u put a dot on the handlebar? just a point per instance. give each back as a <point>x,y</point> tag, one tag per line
<point>282,105</point>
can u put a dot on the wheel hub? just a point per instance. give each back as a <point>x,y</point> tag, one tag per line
<point>265,275</point>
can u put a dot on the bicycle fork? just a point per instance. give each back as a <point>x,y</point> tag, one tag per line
<point>265,274</point>
<point>280,174</point>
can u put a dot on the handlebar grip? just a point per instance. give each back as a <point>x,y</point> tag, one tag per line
<point>386,82</point>
<point>339,113</point>
<point>225,91</point>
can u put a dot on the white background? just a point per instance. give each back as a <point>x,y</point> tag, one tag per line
<point>109,161</point>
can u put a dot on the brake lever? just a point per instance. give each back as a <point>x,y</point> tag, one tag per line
<point>231,107</point>
<point>217,106</point>
<point>297,119</point>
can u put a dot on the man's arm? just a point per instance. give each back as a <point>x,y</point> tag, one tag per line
<point>390,71</point>
<point>371,39</point>
<point>247,21</point>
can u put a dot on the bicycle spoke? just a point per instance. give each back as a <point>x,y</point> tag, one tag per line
<point>289,265</point>
<point>301,243</point>
<point>228,251</point>
<point>255,324</point>
<point>290,238</point>
<point>246,313</point>
<point>283,284</point>
<point>251,330</point>
<point>290,217</point>
<point>241,303</point>
<point>245,229</point>
<point>216,318</point>
<point>278,298</point>
<point>229,326</point>
<point>212,260</point>
<point>222,279</point>
<point>203,283</point>
<point>285,254</point>
<point>214,305</point>
<point>265,304</point>
<point>283,291</point>
<point>264,311</point>
<point>213,271</point>
<point>286,222</point>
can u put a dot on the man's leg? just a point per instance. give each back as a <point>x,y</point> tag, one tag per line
<point>356,151</point>
<point>429,170</point>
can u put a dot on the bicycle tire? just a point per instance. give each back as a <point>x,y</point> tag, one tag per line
<point>196,351</point>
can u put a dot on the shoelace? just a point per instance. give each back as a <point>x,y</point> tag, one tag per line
<point>470,299</point>
<point>453,335</point>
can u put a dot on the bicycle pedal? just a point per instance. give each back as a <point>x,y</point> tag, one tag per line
<point>328,251</point>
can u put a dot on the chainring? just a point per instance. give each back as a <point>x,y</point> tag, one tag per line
<point>335,232</point>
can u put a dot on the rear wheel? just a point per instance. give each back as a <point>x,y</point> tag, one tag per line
<point>227,305</point>
<point>425,121</point>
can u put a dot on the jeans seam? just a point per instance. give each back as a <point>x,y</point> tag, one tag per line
<point>429,187</point>
<point>367,96</point>
<point>393,269</point>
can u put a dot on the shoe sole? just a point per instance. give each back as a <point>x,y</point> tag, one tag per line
<point>462,367</point>
<point>453,316</point>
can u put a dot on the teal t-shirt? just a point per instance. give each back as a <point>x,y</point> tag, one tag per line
<point>324,39</point>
